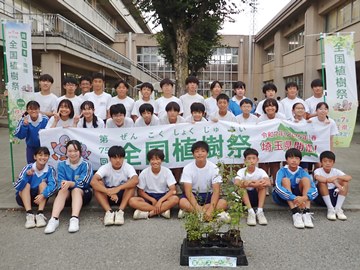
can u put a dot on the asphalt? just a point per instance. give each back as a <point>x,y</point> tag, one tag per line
<point>347,160</point>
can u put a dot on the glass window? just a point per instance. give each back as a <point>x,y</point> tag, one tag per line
<point>296,40</point>
<point>356,10</point>
<point>270,54</point>
<point>343,15</point>
<point>331,21</point>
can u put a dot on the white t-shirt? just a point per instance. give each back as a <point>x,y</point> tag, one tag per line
<point>259,109</point>
<point>115,178</point>
<point>312,102</point>
<point>101,103</point>
<point>76,102</point>
<point>264,117</point>
<point>60,123</point>
<point>141,123</point>
<point>333,128</point>
<point>164,120</point>
<point>187,100</point>
<point>138,103</point>
<point>99,122</point>
<point>211,106</point>
<point>251,120</point>
<point>229,116</point>
<point>289,103</point>
<point>257,175</point>
<point>333,172</point>
<point>47,102</point>
<point>201,179</point>
<point>156,183</point>
<point>128,123</point>
<point>190,119</point>
<point>128,103</point>
<point>160,105</point>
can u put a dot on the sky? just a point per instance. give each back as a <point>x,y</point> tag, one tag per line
<point>267,9</point>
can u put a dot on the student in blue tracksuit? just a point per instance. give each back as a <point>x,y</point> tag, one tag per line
<point>74,175</point>
<point>295,187</point>
<point>28,128</point>
<point>36,183</point>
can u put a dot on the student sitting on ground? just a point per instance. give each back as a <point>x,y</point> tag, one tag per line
<point>114,184</point>
<point>156,189</point>
<point>36,183</point>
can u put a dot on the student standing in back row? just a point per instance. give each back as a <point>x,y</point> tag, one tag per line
<point>45,98</point>
<point>161,103</point>
<point>192,84</point>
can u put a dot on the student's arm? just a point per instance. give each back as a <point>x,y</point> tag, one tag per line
<point>23,178</point>
<point>85,176</point>
<point>63,183</point>
<point>22,128</point>
<point>280,190</point>
<point>131,183</point>
<point>97,184</point>
<point>214,199</point>
<point>144,195</point>
<point>50,183</point>
<point>190,196</point>
<point>171,192</point>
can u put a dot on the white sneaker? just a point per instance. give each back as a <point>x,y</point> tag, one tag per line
<point>51,226</point>
<point>140,214</point>
<point>331,214</point>
<point>30,221</point>
<point>109,218</point>
<point>119,217</point>
<point>73,225</point>
<point>251,219</point>
<point>340,214</point>
<point>166,214</point>
<point>261,218</point>
<point>307,218</point>
<point>181,213</point>
<point>224,216</point>
<point>298,221</point>
<point>40,220</point>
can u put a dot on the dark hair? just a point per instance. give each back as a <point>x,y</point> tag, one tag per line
<point>69,104</point>
<point>146,107</point>
<point>291,84</point>
<point>75,143</point>
<point>166,81</point>
<point>46,78</point>
<point>222,96</point>
<point>70,80</point>
<point>98,75</point>
<point>116,85</point>
<point>147,85</point>
<point>192,79</point>
<point>250,151</point>
<point>239,84</point>
<point>42,150</point>
<point>270,102</point>
<point>172,106</point>
<point>316,82</point>
<point>85,78</point>
<point>320,104</point>
<point>293,107</point>
<point>327,154</point>
<point>117,108</point>
<point>293,152</point>
<point>200,144</point>
<point>214,83</point>
<point>116,151</point>
<point>197,107</point>
<point>33,104</point>
<point>155,153</point>
<point>246,101</point>
<point>90,105</point>
<point>269,86</point>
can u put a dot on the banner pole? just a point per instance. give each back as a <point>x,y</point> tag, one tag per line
<point>7,102</point>
<point>322,52</point>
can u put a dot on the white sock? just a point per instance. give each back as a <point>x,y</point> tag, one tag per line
<point>259,210</point>
<point>340,201</point>
<point>251,211</point>
<point>327,201</point>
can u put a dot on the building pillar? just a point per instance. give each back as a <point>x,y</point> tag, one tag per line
<point>279,48</point>
<point>51,64</point>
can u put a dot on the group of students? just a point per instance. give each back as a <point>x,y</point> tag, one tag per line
<point>116,181</point>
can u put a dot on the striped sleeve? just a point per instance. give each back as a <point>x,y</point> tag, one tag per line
<point>284,193</point>
<point>23,178</point>
<point>50,182</point>
<point>84,179</point>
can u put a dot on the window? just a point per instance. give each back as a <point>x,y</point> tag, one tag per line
<point>270,54</point>
<point>296,40</point>
<point>343,15</point>
<point>298,79</point>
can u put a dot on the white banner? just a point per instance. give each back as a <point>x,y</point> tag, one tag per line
<point>227,142</point>
<point>341,85</point>
<point>19,69</point>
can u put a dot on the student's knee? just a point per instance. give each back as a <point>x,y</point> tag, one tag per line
<point>77,192</point>
<point>221,205</point>
<point>286,182</point>
<point>42,186</point>
<point>184,203</point>
<point>174,199</point>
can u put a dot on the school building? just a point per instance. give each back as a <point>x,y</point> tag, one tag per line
<point>80,37</point>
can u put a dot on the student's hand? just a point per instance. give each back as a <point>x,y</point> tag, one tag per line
<point>157,207</point>
<point>66,184</point>
<point>56,117</point>
<point>331,179</point>
<point>215,120</point>
<point>30,172</point>
<point>300,201</point>
<point>309,121</point>
<point>26,120</point>
<point>112,191</point>
<point>39,198</point>
<point>209,213</point>
<point>76,119</point>
<point>153,201</point>
<point>114,198</point>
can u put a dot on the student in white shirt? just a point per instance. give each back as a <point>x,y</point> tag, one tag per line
<point>287,103</point>
<point>191,96</point>
<point>269,91</point>
<point>172,115</point>
<point>239,89</point>
<point>88,118</point>
<point>64,116</point>
<point>246,118</point>
<point>70,84</point>
<point>197,110</point>
<point>156,189</point>
<point>222,113</point>
<point>167,97</point>
<point>122,88</point>
<point>318,96</point>
<point>85,86</point>
<point>211,103</point>
<point>146,90</point>
<point>147,118</point>
<point>118,118</point>
<point>45,98</point>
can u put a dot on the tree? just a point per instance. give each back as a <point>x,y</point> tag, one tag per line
<point>189,31</point>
